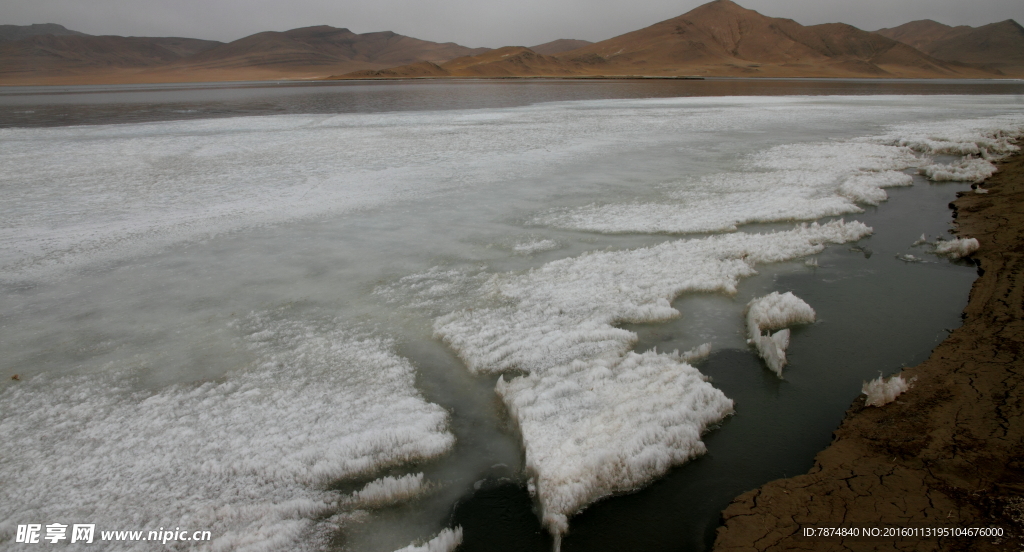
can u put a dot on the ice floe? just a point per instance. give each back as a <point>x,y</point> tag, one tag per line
<point>775,311</point>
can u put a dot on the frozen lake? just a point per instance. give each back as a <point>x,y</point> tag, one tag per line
<point>356,317</point>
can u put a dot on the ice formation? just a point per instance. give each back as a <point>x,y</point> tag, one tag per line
<point>248,458</point>
<point>596,419</point>
<point>967,170</point>
<point>772,312</point>
<point>445,541</point>
<point>957,248</point>
<point>807,181</point>
<point>388,490</point>
<point>882,391</point>
<point>530,247</point>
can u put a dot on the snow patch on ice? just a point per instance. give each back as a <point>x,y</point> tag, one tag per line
<point>772,312</point>
<point>882,391</point>
<point>249,458</point>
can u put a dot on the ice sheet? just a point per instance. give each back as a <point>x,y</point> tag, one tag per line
<point>249,458</point>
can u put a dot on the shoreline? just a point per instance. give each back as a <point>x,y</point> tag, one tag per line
<point>948,453</point>
<point>116,80</point>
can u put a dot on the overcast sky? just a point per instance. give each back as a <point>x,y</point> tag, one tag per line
<point>473,23</point>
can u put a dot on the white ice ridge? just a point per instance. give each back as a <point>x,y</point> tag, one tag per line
<point>882,391</point>
<point>445,541</point>
<point>388,490</point>
<point>806,181</point>
<point>957,248</point>
<point>594,418</point>
<point>791,182</point>
<point>772,312</point>
<point>248,458</point>
<point>979,141</point>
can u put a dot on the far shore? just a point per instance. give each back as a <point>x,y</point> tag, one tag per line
<point>948,454</point>
<point>108,80</point>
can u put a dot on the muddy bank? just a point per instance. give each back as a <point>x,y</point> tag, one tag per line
<point>947,454</point>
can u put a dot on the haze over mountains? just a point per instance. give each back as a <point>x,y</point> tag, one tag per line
<point>720,38</point>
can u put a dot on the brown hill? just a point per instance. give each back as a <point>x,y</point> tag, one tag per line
<point>717,39</point>
<point>309,52</point>
<point>18,32</point>
<point>71,56</point>
<point>998,46</point>
<point>559,46</point>
<point>325,47</point>
<point>510,61</point>
<point>722,38</point>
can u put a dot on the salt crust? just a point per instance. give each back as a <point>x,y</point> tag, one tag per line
<point>882,391</point>
<point>957,248</point>
<point>596,419</point>
<point>772,312</point>
<point>248,458</point>
<point>807,181</point>
<point>445,541</point>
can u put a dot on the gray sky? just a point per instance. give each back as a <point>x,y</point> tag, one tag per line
<point>474,23</point>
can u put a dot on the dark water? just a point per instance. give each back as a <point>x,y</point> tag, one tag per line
<point>42,106</point>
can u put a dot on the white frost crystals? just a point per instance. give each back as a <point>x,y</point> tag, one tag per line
<point>445,541</point>
<point>248,458</point>
<point>881,391</point>
<point>595,418</point>
<point>771,312</point>
<point>957,248</point>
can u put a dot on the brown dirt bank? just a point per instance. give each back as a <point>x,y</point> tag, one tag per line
<point>949,453</point>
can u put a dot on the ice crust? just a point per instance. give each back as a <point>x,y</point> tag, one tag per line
<point>445,541</point>
<point>595,418</point>
<point>957,248</point>
<point>388,490</point>
<point>807,181</point>
<point>249,458</point>
<point>772,312</point>
<point>881,391</point>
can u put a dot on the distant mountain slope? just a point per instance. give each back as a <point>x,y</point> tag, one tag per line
<point>559,46</point>
<point>722,37</point>
<point>324,47</point>
<point>997,45</point>
<point>72,54</point>
<point>717,39</point>
<point>308,52</point>
<point>18,32</point>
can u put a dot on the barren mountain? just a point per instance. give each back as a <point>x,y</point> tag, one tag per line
<point>299,53</point>
<point>74,55</point>
<point>999,46</point>
<point>718,39</point>
<point>559,46</point>
<point>324,47</point>
<point>722,38</point>
<point>18,32</point>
